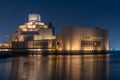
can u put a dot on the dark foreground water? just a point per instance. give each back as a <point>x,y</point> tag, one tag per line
<point>75,67</point>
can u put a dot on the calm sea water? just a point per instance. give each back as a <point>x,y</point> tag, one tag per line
<point>75,67</point>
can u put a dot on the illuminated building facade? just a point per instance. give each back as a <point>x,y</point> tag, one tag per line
<point>33,34</point>
<point>82,38</point>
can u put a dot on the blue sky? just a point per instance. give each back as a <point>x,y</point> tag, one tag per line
<point>92,13</point>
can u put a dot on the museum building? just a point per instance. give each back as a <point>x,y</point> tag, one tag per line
<point>35,34</point>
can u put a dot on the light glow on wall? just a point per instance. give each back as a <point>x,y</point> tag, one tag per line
<point>34,17</point>
<point>24,29</point>
<point>88,48</point>
<point>31,26</point>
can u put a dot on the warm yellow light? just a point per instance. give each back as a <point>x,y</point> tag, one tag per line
<point>15,40</point>
<point>88,48</point>
<point>24,29</point>
<point>95,43</point>
<point>53,48</point>
<point>59,45</point>
<point>40,23</point>
<point>31,26</point>
<point>22,26</point>
<point>45,27</point>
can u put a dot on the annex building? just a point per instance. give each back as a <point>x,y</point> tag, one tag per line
<point>82,38</point>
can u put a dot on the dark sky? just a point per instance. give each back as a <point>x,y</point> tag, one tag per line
<point>92,13</point>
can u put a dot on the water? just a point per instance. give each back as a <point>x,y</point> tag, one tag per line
<point>75,67</point>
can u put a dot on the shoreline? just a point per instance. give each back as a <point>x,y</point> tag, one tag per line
<point>7,54</point>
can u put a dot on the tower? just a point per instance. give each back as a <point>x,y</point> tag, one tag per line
<point>51,26</point>
<point>34,17</point>
<point>7,38</point>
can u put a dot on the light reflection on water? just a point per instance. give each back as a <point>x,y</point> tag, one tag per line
<point>5,66</point>
<point>75,67</point>
<point>66,67</point>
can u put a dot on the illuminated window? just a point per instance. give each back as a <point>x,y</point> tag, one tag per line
<point>85,43</point>
<point>16,40</point>
<point>24,29</point>
<point>95,43</point>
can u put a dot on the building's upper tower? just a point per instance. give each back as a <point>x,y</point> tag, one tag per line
<point>34,17</point>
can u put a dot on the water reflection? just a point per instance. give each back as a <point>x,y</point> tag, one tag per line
<point>77,67</point>
<point>5,66</point>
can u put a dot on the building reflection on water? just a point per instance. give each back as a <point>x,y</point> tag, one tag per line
<point>75,67</point>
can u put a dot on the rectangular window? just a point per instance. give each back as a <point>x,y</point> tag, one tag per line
<point>85,43</point>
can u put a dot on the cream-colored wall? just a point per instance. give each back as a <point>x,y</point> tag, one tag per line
<point>47,33</point>
<point>72,37</point>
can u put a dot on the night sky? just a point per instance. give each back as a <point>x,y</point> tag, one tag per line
<point>91,13</point>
